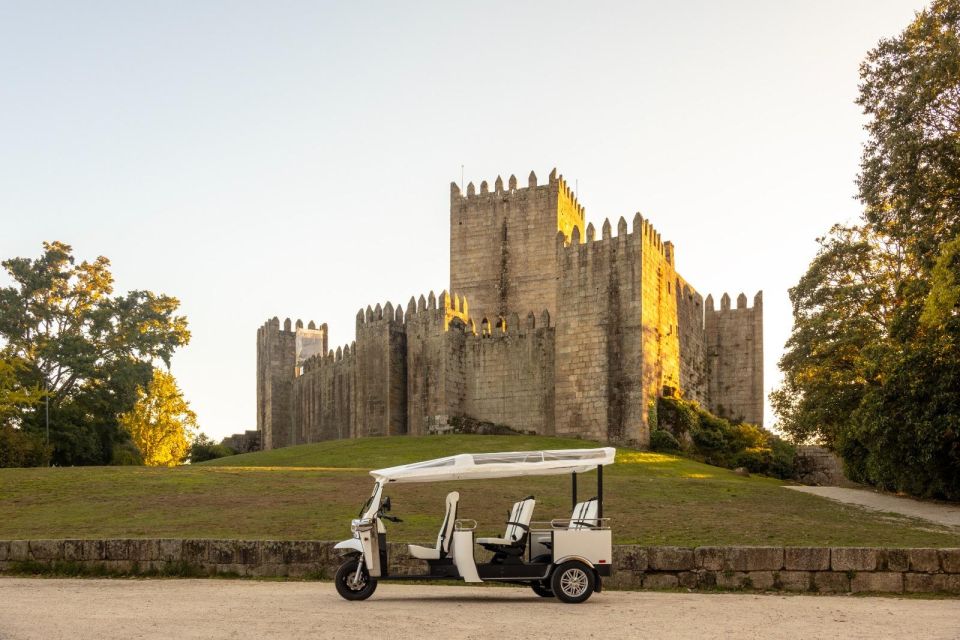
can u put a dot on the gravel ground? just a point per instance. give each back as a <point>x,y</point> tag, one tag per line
<point>207,609</point>
<point>938,512</point>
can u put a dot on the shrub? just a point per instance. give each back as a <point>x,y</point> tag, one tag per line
<point>203,448</point>
<point>719,441</point>
<point>661,440</point>
<point>22,449</point>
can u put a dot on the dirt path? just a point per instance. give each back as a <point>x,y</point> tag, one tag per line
<point>207,609</point>
<point>939,513</point>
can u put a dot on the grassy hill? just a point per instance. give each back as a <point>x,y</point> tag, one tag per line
<point>312,491</point>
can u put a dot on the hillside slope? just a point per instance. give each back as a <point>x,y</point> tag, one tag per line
<point>312,492</point>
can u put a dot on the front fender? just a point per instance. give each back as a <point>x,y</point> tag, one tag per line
<point>353,545</point>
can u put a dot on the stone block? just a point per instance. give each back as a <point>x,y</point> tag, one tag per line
<point>46,549</point>
<point>19,551</point>
<point>794,580</point>
<point>272,570</point>
<point>623,580</point>
<point>247,551</point>
<point>706,579</point>
<point>4,550</point>
<point>731,579</point>
<point>806,558</point>
<point>894,560</point>
<point>831,581</point>
<point>304,551</point>
<point>754,558</point>
<point>166,550</point>
<point>877,582</point>
<point>116,549</point>
<point>670,558</point>
<point>221,552</point>
<point>688,579</point>
<point>853,559</point>
<point>946,583</point>
<point>923,560</point>
<point>194,552</point>
<point>761,580</point>
<point>918,583</point>
<point>709,558</point>
<point>73,551</point>
<point>630,558</point>
<point>139,550</point>
<point>94,550</point>
<point>950,560</point>
<point>271,551</point>
<point>660,581</point>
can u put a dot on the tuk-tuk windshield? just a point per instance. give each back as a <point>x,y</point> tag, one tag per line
<point>369,501</point>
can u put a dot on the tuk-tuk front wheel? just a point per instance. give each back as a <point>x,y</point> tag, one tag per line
<point>352,586</point>
<point>572,582</point>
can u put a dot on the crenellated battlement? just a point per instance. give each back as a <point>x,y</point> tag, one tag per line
<point>512,325</point>
<point>741,303</point>
<point>643,234</point>
<point>512,188</point>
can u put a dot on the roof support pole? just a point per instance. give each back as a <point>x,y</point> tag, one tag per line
<point>599,491</point>
<point>574,490</point>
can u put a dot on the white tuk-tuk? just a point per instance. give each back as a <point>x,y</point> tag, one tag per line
<point>565,558</point>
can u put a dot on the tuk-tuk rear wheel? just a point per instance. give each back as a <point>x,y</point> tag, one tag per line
<point>350,589</point>
<point>572,582</point>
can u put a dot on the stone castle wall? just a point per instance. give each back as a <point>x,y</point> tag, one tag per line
<point>552,330</point>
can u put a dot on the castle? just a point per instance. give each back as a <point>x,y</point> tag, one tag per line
<point>549,327</point>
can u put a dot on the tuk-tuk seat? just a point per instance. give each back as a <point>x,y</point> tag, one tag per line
<point>514,540</point>
<point>444,537</point>
<point>584,516</point>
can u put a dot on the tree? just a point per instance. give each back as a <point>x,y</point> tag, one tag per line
<point>872,366</point>
<point>89,348</point>
<point>18,449</point>
<point>161,423</point>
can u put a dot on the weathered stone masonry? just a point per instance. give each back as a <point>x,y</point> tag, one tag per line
<point>552,328</point>
<point>811,569</point>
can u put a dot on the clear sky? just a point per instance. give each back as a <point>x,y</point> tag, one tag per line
<point>294,158</point>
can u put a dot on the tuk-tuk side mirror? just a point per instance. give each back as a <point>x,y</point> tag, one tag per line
<point>386,504</point>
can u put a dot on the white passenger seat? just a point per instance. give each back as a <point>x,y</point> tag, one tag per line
<point>445,535</point>
<point>514,540</point>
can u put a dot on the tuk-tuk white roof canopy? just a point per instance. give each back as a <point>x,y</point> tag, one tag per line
<point>477,466</point>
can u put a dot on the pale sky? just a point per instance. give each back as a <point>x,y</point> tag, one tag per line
<point>294,158</point>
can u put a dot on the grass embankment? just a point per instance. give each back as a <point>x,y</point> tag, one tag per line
<point>312,492</point>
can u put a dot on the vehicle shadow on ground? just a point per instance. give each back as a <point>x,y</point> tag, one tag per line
<point>478,599</point>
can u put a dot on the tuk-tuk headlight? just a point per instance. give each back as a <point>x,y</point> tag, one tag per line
<point>359,523</point>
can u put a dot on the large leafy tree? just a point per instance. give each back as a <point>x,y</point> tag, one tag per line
<point>161,422</point>
<point>87,347</point>
<point>872,367</point>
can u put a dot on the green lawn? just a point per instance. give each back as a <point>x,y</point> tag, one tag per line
<point>312,491</point>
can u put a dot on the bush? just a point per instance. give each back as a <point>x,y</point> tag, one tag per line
<point>720,442</point>
<point>661,440</point>
<point>203,448</point>
<point>22,449</point>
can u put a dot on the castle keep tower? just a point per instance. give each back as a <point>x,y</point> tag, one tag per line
<point>550,328</point>
<point>502,243</point>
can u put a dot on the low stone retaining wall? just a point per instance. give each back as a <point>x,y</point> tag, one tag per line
<point>813,569</point>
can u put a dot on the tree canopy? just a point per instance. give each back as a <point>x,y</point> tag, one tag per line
<point>872,366</point>
<point>161,423</point>
<point>88,347</point>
